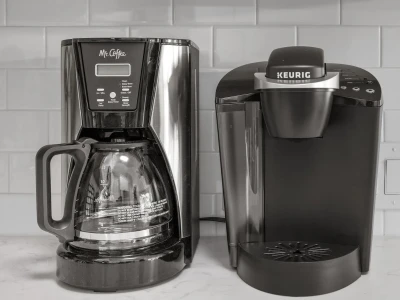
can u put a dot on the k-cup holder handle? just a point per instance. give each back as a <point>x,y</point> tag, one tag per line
<point>79,150</point>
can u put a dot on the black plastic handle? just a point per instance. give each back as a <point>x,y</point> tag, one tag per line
<point>64,228</point>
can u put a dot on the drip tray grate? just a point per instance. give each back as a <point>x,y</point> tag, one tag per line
<point>298,268</point>
<point>297,251</point>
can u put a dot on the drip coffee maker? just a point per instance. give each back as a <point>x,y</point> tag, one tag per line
<point>130,164</point>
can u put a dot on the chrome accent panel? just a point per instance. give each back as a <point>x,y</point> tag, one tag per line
<point>241,151</point>
<point>71,121</point>
<point>122,236</point>
<point>330,81</point>
<point>172,126</point>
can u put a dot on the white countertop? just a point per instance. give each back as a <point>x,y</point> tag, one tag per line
<point>27,271</point>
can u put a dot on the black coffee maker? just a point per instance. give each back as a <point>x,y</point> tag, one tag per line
<point>130,126</point>
<point>299,142</point>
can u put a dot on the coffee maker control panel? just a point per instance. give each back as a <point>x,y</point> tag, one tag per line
<point>356,83</point>
<point>112,74</point>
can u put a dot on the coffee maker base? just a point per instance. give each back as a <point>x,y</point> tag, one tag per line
<point>109,273</point>
<point>298,268</point>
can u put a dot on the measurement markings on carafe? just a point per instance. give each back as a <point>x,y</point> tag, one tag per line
<point>139,212</point>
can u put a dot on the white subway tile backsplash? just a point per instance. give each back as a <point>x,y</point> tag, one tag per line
<point>4,173</point>
<point>55,175</point>
<point>207,205</point>
<point>210,173</point>
<point>22,173</point>
<point>22,47</point>
<point>18,216</point>
<point>215,12</point>
<point>56,34</point>
<point>358,46</point>
<point>389,83</point>
<point>392,177</point>
<point>228,33</point>
<point>392,223</point>
<point>208,81</point>
<point>130,12</point>
<point>294,12</point>
<point>208,131</point>
<point>371,12</point>
<point>378,222</point>
<point>202,36</point>
<point>23,130</point>
<point>219,205</point>
<point>234,46</point>
<point>3,89</point>
<point>392,126</point>
<point>33,89</point>
<point>390,46</point>
<point>47,12</point>
<point>55,127</point>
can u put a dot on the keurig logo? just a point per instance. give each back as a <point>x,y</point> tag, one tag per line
<point>292,75</point>
<point>116,53</point>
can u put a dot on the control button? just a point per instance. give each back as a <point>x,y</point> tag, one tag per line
<point>100,90</point>
<point>125,90</point>
<point>100,100</point>
<point>356,88</point>
<point>371,91</point>
<point>112,95</point>
<point>343,87</point>
<point>125,100</point>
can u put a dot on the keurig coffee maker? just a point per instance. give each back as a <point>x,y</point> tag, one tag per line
<point>298,142</point>
<point>130,132</point>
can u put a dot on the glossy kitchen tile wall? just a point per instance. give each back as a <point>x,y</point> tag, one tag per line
<point>229,33</point>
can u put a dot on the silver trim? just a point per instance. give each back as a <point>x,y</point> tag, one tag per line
<point>330,81</point>
<point>122,236</point>
<point>173,126</point>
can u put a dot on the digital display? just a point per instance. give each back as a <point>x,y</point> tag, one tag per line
<point>109,70</point>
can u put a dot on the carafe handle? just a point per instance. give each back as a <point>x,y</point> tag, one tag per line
<point>79,150</point>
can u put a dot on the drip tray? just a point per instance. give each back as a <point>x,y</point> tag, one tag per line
<point>298,268</point>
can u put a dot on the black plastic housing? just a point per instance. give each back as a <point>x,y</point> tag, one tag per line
<point>296,59</point>
<point>301,113</point>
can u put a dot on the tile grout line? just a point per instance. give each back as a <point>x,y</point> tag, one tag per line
<point>296,38</point>
<point>340,12</point>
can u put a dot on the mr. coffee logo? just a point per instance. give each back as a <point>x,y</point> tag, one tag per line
<point>116,53</point>
<point>292,75</point>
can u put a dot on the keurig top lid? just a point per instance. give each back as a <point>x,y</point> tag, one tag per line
<point>296,62</point>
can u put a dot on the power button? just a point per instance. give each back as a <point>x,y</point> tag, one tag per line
<point>113,95</point>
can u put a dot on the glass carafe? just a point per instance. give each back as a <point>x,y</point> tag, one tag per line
<point>120,194</point>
